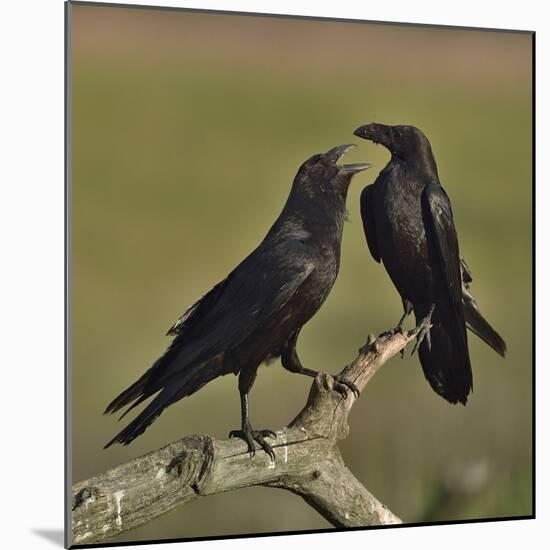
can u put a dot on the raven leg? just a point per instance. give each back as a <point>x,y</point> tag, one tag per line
<point>407,310</point>
<point>246,379</point>
<point>423,330</point>
<point>291,362</point>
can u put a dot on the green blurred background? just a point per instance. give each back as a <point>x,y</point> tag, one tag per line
<point>188,129</point>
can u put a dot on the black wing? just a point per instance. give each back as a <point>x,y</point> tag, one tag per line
<point>447,364</point>
<point>369,223</point>
<point>466,273</point>
<point>243,302</point>
<point>185,321</point>
<point>441,233</point>
<point>246,299</point>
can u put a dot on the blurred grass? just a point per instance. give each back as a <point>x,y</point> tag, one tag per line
<point>180,165</point>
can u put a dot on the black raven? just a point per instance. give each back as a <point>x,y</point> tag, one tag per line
<point>256,313</point>
<point>409,225</point>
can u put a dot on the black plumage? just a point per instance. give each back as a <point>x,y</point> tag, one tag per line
<point>255,314</point>
<point>474,319</point>
<point>408,223</point>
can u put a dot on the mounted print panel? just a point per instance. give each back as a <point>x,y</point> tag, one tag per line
<point>266,216</point>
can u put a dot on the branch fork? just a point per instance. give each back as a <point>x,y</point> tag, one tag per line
<point>307,463</point>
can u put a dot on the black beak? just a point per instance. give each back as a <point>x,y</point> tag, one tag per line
<point>336,153</point>
<point>354,168</point>
<point>377,133</point>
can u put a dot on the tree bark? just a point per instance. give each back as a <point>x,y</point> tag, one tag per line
<point>307,463</point>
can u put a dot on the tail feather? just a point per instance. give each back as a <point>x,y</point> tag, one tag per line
<point>446,364</point>
<point>474,320</point>
<point>150,383</point>
<point>128,395</point>
<point>144,396</point>
<point>174,388</point>
<point>141,422</point>
<point>479,326</point>
<point>138,425</point>
<point>152,411</point>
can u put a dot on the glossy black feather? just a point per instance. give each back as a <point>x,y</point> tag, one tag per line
<point>474,319</point>
<point>367,200</point>
<point>447,364</point>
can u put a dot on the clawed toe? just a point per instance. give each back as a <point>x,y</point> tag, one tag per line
<point>392,332</point>
<point>251,436</point>
<point>246,436</point>
<point>259,438</point>
<point>342,385</point>
<point>423,333</point>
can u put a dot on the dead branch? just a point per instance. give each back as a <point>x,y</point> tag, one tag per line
<point>307,462</point>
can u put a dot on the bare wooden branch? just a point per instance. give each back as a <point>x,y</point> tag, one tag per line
<point>307,462</point>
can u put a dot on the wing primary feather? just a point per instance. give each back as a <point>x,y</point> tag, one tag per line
<point>447,365</point>
<point>367,202</point>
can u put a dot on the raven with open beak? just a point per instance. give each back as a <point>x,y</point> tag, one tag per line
<point>256,313</point>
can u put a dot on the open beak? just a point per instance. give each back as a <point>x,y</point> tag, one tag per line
<point>354,168</point>
<point>336,153</point>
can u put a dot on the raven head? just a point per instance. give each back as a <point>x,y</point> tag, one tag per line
<point>402,141</point>
<point>322,173</point>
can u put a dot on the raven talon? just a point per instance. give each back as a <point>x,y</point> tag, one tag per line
<point>392,332</point>
<point>246,436</point>
<point>341,389</point>
<point>251,436</point>
<point>423,333</point>
<point>342,385</point>
<point>367,346</point>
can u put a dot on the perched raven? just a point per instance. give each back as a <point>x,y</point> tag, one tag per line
<point>256,313</point>
<point>408,223</point>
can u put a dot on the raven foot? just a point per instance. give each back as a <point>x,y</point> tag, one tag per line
<point>423,332</point>
<point>342,386</point>
<point>370,344</point>
<point>407,310</point>
<point>249,436</point>
<point>392,331</point>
